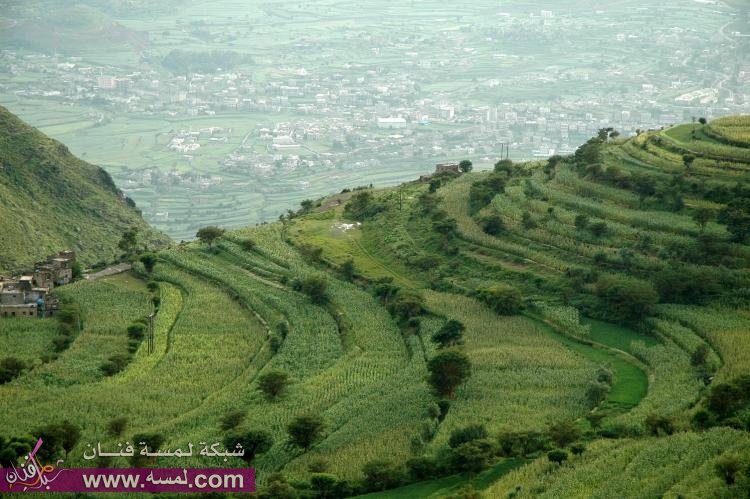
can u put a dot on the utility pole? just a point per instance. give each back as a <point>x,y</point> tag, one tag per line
<point>151,334</point>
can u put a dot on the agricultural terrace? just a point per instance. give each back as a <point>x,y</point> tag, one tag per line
<point>593,309</point>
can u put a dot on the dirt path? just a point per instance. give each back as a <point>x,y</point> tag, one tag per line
<point>113,270</point>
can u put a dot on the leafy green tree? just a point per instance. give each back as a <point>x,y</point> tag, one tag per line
<point>527,221</point>
<point>492,224</point>
<point>472,456</point>
<point>736,216</point>
<point>149,261</point>
<point>381,474</point>
<point>596,392</point>
<point>581,221</point>
<point>450,334</point>
<point>315,287</point>
<point>406,305</point>
<point>465,166</point>
<point>273,383</point>
<point>324,484</point>
<point>11,449</point>
<point>253,442</point>
<point>231,420</point>
<point>687,160</point>
<point>307,205</point>
<point>701,216</point>
<point>503,299</point>
<point>10,369</point>
<point>129,242</point>
<point>660,425</point>
<point>363,206</point>
<point>467,434</point>
<point>117,426</point>
<point>727,467</point>
<point>626,299</point>
<point>152,441</point>
<point>57,437</point>
<point>248,244</point>
<point>348,270</point>
<point>564,433</point>
<point>598,229</point>
<point>385,290</point>
<point>305,430</point>
<point>699,357</point>
<point>208,235</point>
<point>557,456</point>
<point>448,369</point>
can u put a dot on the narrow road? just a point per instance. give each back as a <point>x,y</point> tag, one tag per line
<point>113,270</point>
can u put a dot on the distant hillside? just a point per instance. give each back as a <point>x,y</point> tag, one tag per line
<point>50,200</point>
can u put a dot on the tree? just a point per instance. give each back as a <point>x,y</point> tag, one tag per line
<point>581,221</point>
<point>273,383</point>
<point>492,224</point>
<point>660,425</point>
<point>701,216</point>
<point>564,433</point>
<point>644,187</point>
<point>596,392</point>
<point>149,261</point>
<point>687,160</point>
<point>448,370</point>
<point>450,334</point>
<point>253,443</point>
<point>363,206</point>
<point>702,121</point>
<point>381,475</point>
<point>472,456</point>
<point>129,241</point>
<point>315,287</point>
<point>503,299</point>
<point>736,216</point>
<point>307,205</point>
<point>465,166</point>
<point>57,437</point>
<point>324,483</point>
<point>305,430</point>
<point>467,434</point>
<point>11,368</point>
<point>598,229</point>
<point>557,456</point>
<point>348,270</point>
<point>406,305</point>
<point>117,426</point>
<point>700,355</point>
<point>208,235</point>
<point>626,299</point>
<point>727,467</point>
<point>152,441</point>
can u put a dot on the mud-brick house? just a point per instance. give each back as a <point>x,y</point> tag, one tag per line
<point>29,295</point>
<point>15,300</point>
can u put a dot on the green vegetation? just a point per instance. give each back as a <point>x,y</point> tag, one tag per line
<point>50,201</point>
<point>495,343</point>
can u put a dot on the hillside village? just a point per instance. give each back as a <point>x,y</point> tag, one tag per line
<point>397,96</point>
<point>30,295</point>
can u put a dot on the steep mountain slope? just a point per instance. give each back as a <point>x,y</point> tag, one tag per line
<point>50,200</point>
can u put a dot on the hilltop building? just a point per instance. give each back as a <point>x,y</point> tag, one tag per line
<point>447,167</point>
<point>29,295</point>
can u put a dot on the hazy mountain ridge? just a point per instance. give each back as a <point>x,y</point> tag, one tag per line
<point>50,200</point>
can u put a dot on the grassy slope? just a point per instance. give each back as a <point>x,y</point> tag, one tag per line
<point>50,201</point>
<point>349,362</point>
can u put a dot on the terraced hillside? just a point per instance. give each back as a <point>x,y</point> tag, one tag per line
<point>601,302</point>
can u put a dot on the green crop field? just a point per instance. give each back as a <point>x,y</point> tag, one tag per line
<point>599,319</point>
